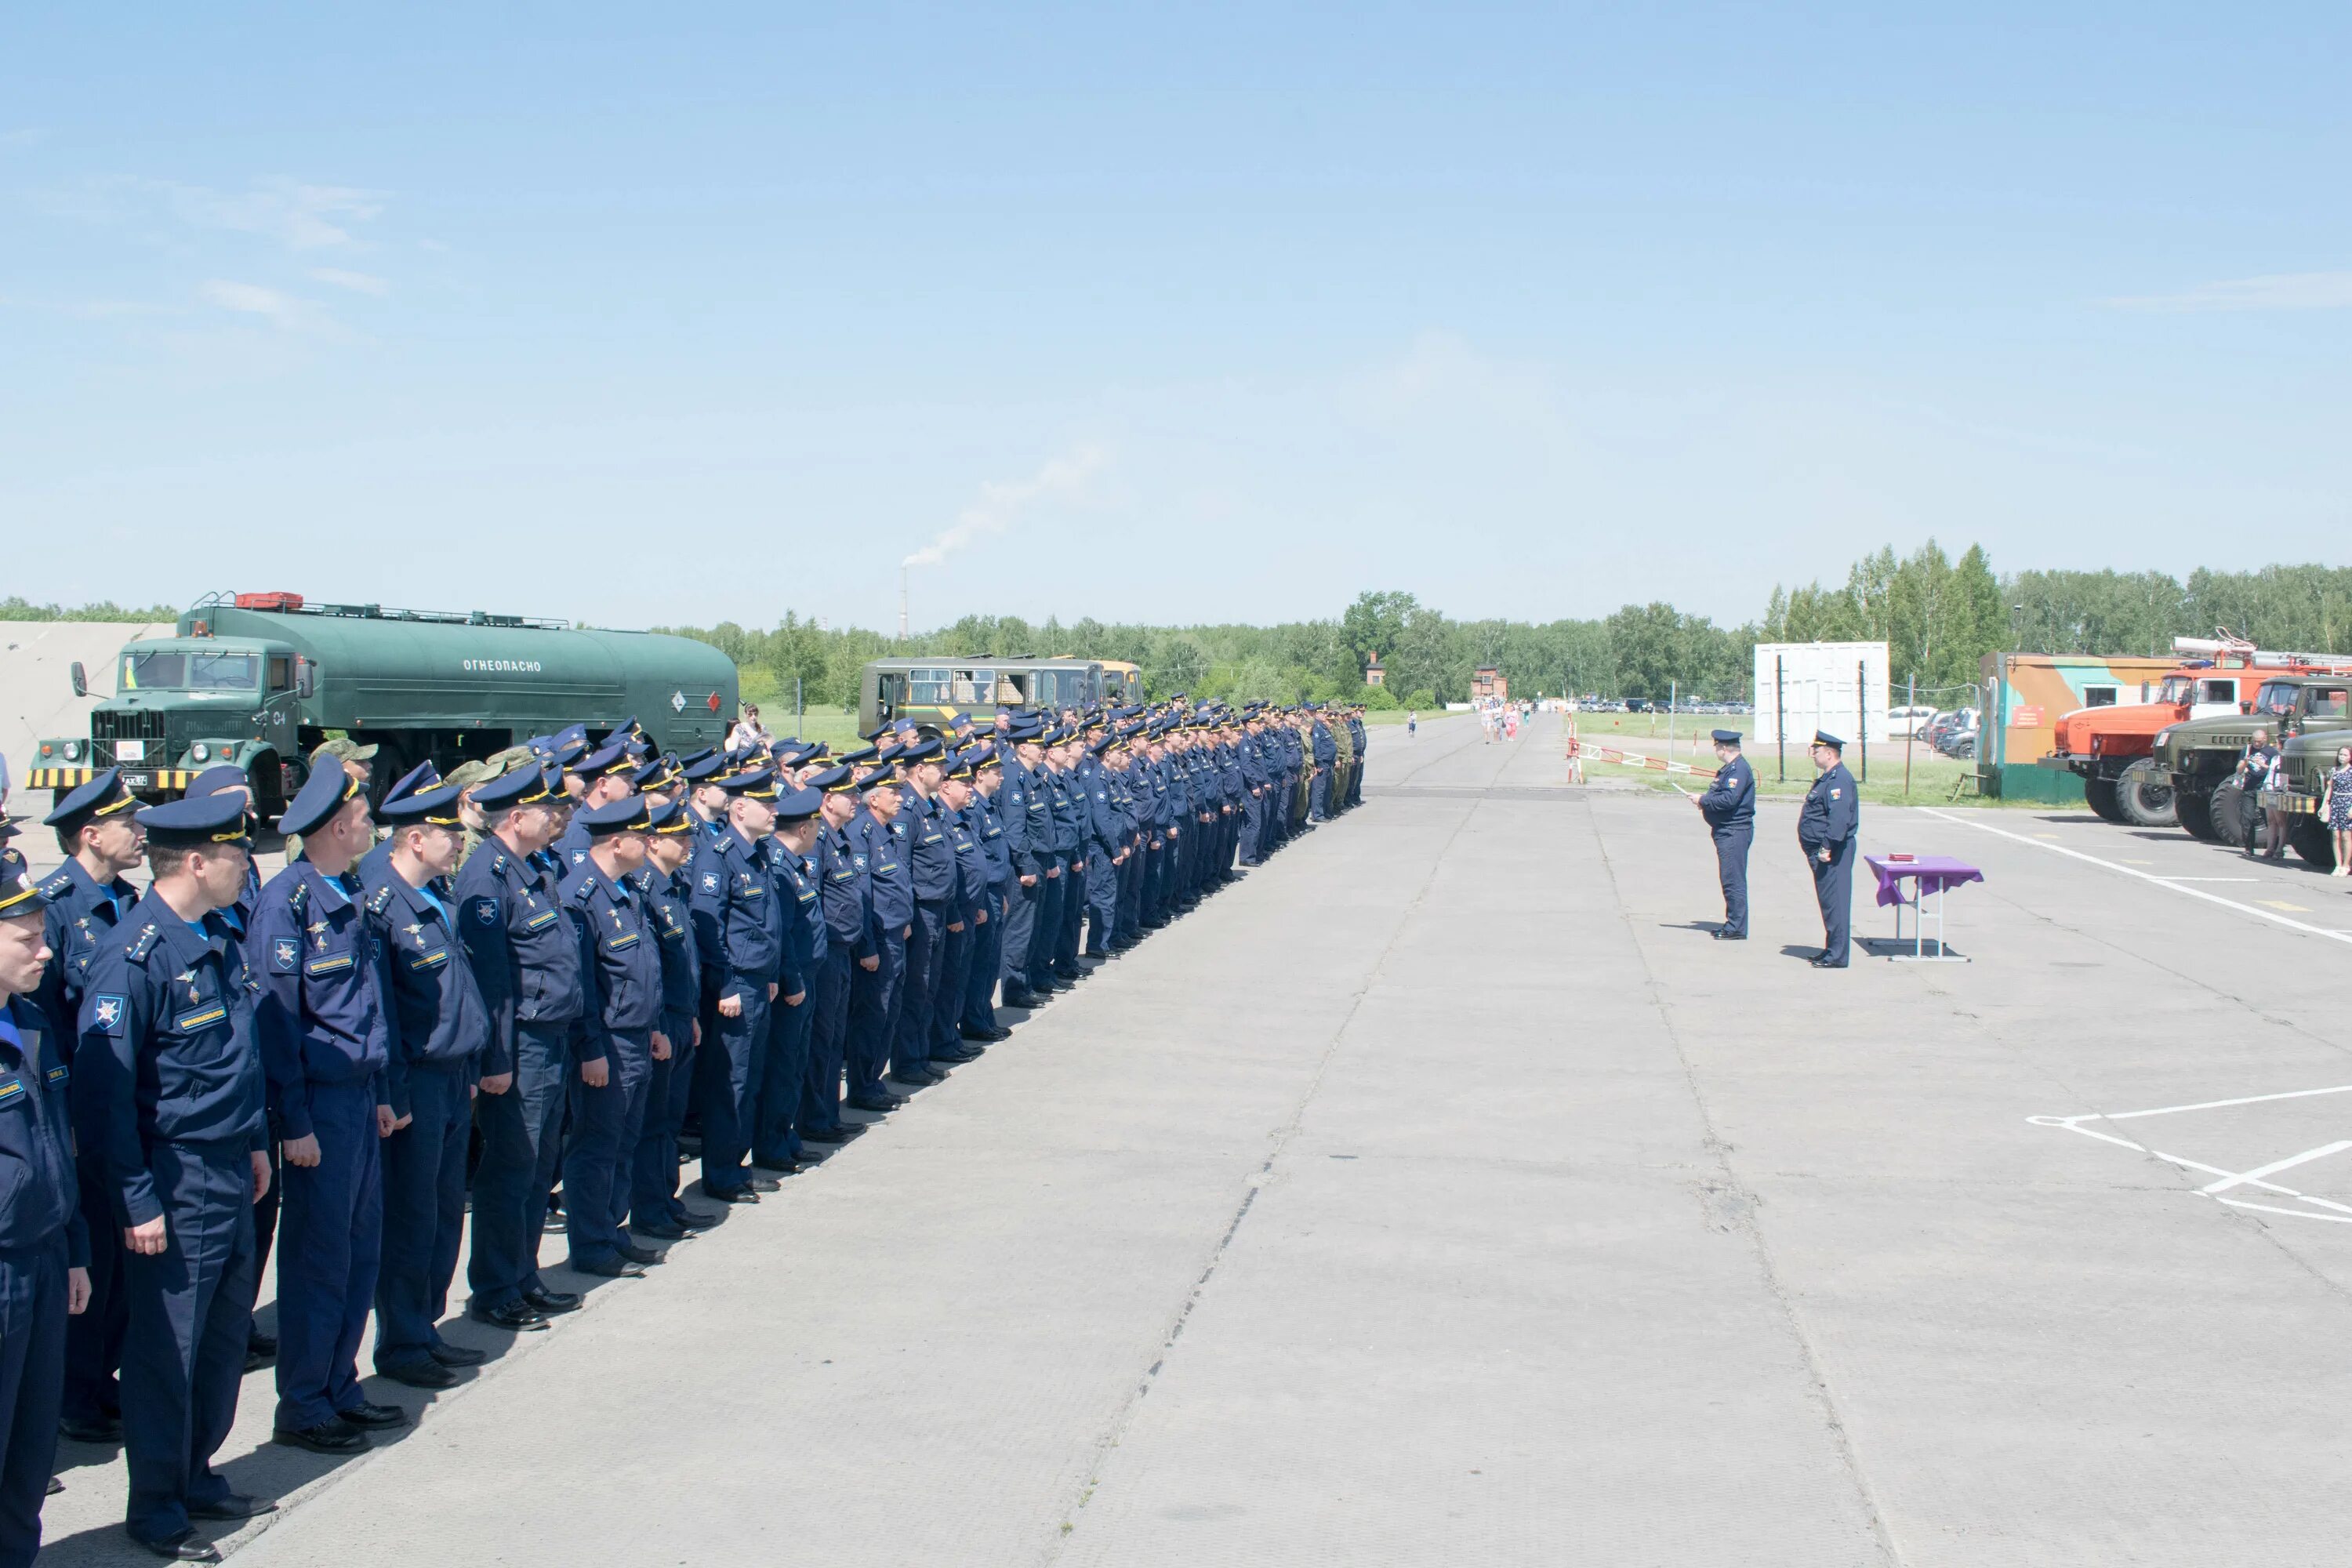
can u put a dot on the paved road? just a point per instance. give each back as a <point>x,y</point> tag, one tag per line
<point>1442,1194</point>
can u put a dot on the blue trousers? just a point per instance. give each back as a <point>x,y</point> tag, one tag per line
<point>873,1002</point>
<point>522,1135</point>
<point>327,1264</point>
<point>1130,896</point>
<point>1318,796</point>
<point>670,1086</point>
<point>424,1211</point>
<point>820,1109</point>
<point>1731,868</point>
<point>1020,929</point>
<point>783,1078</point>
<point>94,1340</point>
<point>191,1313</point>
<point>32,1385</point>
<point>1073,914</point>
<point>910,1039</point>
<point>978,1011</point>
<point>1046,922</point>
<point>1252,827</point>
<point>1833,890</point>
<point>1102,901</point>
<point>601,1151</point>
<point>956,950</point>
<point>731,1081</point>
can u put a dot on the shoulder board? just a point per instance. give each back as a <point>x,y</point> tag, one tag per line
<point>297,897</point>
<point>382,901</point>
<point>60,883</point>
<point>143,943</point>
<point>582,888</point>
<point>499,863</point>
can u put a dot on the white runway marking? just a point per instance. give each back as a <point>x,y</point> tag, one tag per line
<point>2226,1179</point>
<point>2175,883</point>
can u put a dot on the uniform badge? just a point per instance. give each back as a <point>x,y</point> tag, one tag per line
<point>485,910</point>
<point>710,881</point>
<point>858,861</point>
<point>1833,794</point>
<point>283,954</point>
<point>107,1012</point>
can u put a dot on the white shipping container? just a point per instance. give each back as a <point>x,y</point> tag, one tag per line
<point>1802,687</point>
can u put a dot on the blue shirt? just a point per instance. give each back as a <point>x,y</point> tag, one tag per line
<point>525,958</point>
<point>320,1017</point>
<point>39,1201</point>
<point>440,1018</point>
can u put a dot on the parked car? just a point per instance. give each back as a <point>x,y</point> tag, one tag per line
<point>1904,722</point>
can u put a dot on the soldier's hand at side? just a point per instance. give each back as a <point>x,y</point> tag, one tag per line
<point>387,1123</point>
<point>596,1074</point>
<point>497,1082</point>
<point>1030,881</point>
<point>661,1047</point>
<point>731,1006</point>
<point>870,963</point>
<point>772,990</point>
<point>956,927</point>
<point>302,1151</point>
<point>980,918</point>
<point>260,1175</point>
<point>698,1031</point>
<point>147,1240</point>
<point>77,1293</point>
<point>796,998</point>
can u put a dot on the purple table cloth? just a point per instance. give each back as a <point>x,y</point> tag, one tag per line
<point>1934,873</point>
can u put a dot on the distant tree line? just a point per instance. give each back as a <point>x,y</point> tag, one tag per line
<point>1939,616</point>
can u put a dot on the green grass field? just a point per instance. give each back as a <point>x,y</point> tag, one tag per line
<point>1932,779</point>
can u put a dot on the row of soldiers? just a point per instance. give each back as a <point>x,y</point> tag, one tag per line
<point>574,962</point>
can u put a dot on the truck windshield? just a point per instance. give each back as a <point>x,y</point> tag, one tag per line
<point>184,671</point>
<point>2178,689</point>
<point>2277,697</point>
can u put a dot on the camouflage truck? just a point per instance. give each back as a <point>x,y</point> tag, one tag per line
<point>259,679</point>
<point>2199,757</point>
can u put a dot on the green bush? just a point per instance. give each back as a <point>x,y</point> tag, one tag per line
<point>1377,700</point>
<point>1420,701</point>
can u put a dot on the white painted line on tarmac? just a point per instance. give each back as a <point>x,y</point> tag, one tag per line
<point>2200,878</point>
<point>2275,1167</point>
<point>2259,913</point>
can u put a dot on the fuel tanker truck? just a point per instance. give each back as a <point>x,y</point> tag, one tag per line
<point>260,679</point>
<point>2199,757</point>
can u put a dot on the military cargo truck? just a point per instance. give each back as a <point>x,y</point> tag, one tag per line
<point>2200,756</point>
<point>260,679</point>
<point>2310,757</point>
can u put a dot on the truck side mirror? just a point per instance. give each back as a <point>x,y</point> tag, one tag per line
<point>81,680</point>
<point>306,680</point>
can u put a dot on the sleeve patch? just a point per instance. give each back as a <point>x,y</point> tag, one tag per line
<point>109,1012</point>
<point>284,952</point>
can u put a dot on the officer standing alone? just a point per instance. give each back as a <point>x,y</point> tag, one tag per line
<point>1729,807</point>
<point>1828,829</point>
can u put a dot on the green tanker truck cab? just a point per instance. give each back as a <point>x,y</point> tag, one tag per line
<point>2200,756</point>
<point>260,680</point>
<point>2309,758</point>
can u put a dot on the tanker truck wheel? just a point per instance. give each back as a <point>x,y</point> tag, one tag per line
<point>2228,812</point>
<point>2196,814</point>
<point>2145,796</point>
<point>2100,793</point>
<point>2311,841</point>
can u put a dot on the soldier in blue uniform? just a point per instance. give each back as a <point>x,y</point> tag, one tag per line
<point>734,890</point>
<point>967,917</point>
<point>847,900</point>
<point>602,778</point>
<point>874,989</point>
<point>619,1035</point>
<point>1326,758</point>
<point>1065,793</point>
<point>665,889</point>
<point>1023,813</point>
<point>527,963</point>
<point>441,1029</point>
<point>44,1244</point>
<point>784,1079</point>
<point>167,1088</point>
<point>931,875</point>
<point>979,1018</point>
<point>325,1044</point>
<point>1828,829</point>
<point>1729,807</point>
<point>1105,853</point>
<point>98,828</point>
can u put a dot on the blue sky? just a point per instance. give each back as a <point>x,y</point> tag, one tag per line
<point>645,314</point>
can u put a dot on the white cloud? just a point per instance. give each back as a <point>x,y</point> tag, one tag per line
<point>299,217</point>
<point>283,310</point>
<point>2271,291</point>
<point>1001,501</point>
<point>357,282</point>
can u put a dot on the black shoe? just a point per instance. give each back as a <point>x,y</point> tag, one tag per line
<point>955,1054</point>
<point>515,1317</point>
<point>421,1371</point>
<point>102,1429</point>
<point>181,1548</point>
<point>1826,961</point>
<point>841,1134</point>
<point>636,1254</point>
<point>259,1343</point>
<point>56,1485</point>
<point>732,1195</point>
<point>879,1105</point>
<point>614,1267</point>
<point>255,1361</point>
<point>1069,977</point>
<point>659,1230</point>
<point>1732,935</point>
<point>335,1436</point>
<point>457,1356</point>
<point>779,1167</point>
<point>695,1220</point>
<point>367,1414</point>
<point>1018,998</point>
<point>236,1505</point>
<point>971,1032</point>
<point>917,1079</point>
<point>554,1303</point>
<point>688,1148</point>
<point>765,1184</point>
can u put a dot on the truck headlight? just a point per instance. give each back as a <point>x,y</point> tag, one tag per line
<point>202,751</point>
<point>73,750</point>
